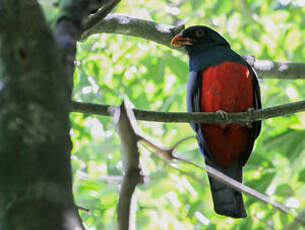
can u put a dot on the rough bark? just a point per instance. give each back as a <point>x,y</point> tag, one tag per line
<point>35,169</point>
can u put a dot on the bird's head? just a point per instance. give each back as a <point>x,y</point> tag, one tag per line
<point>198,37</point>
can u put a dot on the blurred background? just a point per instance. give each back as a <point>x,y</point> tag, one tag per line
<point>154,78</point>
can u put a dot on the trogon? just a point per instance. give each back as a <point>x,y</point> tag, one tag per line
<point>221,81</point>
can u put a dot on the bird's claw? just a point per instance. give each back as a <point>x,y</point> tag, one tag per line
<point>250,111</point>
<point>222,114</point>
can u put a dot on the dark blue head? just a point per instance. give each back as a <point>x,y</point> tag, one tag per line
<point>200,38</point>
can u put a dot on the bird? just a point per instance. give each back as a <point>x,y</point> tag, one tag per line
<point>221,81</point>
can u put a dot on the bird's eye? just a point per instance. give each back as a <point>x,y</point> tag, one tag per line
<point>199,33</point>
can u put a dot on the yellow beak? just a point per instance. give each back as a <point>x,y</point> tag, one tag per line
<point>179,40</point>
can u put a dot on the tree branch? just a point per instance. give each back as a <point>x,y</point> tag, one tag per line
<point>236,185</point>
<point>162,34</point>
<point>120,24</point>
<point>124,120</point>
<point>211,118</point>
<point>68,25</point>
<point>169,153</point>
<point>183,172</point>
<point>130,135</point>
<point>100,14</point>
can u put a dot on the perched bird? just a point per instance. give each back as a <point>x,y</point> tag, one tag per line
<point>221,81</point>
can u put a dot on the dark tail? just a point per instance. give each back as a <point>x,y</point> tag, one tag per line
<point>227,201</point>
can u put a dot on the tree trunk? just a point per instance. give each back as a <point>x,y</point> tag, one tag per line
<point>35,169</point>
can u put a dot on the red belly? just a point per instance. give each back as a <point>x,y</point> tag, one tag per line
<point>226,87</point>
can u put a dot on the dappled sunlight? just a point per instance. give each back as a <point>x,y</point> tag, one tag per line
<point>202,218</point>
<point>292,93</point>
<point>292,202</point>
<point>264,64</point>
<point>154,77</point>
<point>162,28</point>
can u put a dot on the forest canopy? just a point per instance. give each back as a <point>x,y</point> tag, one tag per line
<point>113,65</point>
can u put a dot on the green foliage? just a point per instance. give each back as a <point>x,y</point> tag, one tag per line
<point>154,78</point>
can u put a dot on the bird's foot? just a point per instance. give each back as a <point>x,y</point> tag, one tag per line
<point>222,114</point>
<point>250,112</point>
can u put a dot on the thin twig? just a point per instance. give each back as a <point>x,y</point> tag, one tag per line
<point>209,118</point>
<point>181,141</point>
<point>173,166</point>
<point>165,152</point>
<point>86,210</point>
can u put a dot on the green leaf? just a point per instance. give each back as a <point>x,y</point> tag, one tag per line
<point>284,190</point>
<point>179,67</point>
<point>301,177</point>
<point>284,218</point>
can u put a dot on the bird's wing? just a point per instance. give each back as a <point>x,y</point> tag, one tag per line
<point>193,105</point>
<point>256,126</point>
<point>193,95</point>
